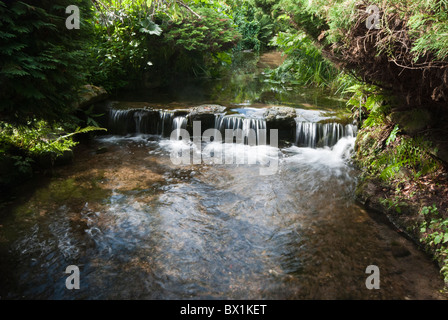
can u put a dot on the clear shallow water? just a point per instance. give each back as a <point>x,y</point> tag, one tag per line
<point>140,227</point>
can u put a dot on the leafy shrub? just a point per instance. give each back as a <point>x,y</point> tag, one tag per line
<point>38,138</point>
<point>138,40</point>
<point>256,26</point>
<point>119,52</point>
<point>304,64</point>
<point>434,230</point>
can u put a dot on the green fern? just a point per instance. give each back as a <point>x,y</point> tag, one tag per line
<point>39,60</point>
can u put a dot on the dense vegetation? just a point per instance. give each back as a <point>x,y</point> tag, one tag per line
<point>399,86</point>
<point>120,44</point>
<point>40,69</point>
<point>395,78</point>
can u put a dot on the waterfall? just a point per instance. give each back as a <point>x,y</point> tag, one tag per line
<point>165,123</point>
<point>312,134</point>
<point>245,130</point>
<point>130,121</point>
<point>141,123</point>
<point>179,123</point>
<point>120,121</point>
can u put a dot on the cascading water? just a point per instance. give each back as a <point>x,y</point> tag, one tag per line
<point>118,121</point>
<point>251,130</point>
<point>141,226</point>
<point>312,134</point>
<point>130,121</point>
<point>141,121</point>
<point>164,123</point>
<point>245,130</point>
<point>179,123</point>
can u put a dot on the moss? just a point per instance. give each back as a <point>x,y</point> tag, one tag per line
<point>69,190</point>
<point>412,121</point>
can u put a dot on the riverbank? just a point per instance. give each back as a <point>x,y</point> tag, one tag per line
<point>415,202</point>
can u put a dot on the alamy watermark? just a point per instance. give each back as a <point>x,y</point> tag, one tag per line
<point>263,154</point>
<point>72,281</point>
<point>373,20</point>
<point>73,20</point>
<point>373,281</point>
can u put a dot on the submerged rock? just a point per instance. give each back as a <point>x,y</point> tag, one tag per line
<point>101,150</point>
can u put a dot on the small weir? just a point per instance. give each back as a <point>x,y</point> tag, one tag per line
<point>246,130</point>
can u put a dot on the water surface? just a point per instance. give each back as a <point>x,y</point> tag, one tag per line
<point>139,226</point>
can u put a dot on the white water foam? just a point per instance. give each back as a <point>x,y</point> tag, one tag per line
<point>336,156</point>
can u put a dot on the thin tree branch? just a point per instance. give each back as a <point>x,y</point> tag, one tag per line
<point>188,8</point>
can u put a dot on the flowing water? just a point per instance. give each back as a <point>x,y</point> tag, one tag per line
<point>139,226</point>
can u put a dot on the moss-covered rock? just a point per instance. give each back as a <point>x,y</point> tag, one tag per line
<point>412,121</point>
<point>90,94</point>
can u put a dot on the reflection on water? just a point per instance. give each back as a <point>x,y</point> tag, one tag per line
<point>140,227</point>
<point>245,84</point>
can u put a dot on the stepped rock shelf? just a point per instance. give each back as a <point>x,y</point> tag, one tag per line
<point>303,127</point>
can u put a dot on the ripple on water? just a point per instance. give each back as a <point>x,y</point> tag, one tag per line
<point>157,230</point>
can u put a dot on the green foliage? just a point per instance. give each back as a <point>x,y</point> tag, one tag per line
<point>390,157</point>
<point>407,54</point>
<point>255,24</point>
<point>305,15</point>
<point>212,33</point>
<point>39,59</point>
<point>38,138</point>
<point>427,21</point>
<point>393,204</point>
<point>376,103</point>
<point>393,135</point>
<point>428,25</point>
<point>23,164</point>
<point>136,39</point>
<point>120,52</point>
<point>36,144</point>
<point>434,230</point>
<point>406,157</point>
<point>304,64</point>
<point>195,47</point>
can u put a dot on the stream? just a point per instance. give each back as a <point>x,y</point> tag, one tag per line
<point>140,226</point>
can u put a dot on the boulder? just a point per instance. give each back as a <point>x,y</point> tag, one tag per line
<point>90,94</point>
<point>412,121</point>
<point>206,114</point>
<point>282,119</point>
<point>207,109</point>
<point>280,114</point>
